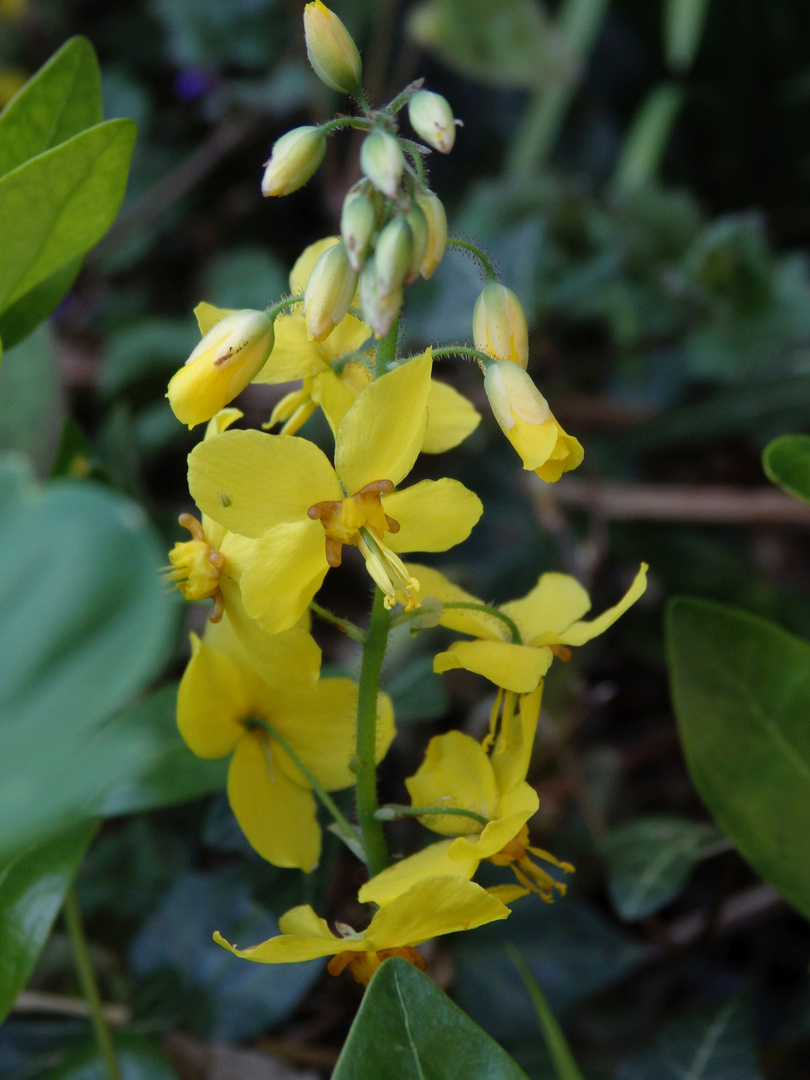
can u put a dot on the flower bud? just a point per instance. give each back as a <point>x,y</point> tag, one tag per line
<point>379,308</point>
<point>393,254</point>
<point>331,49</point>
<point>228,357</point>
<point>432,119</point>
<point>294,158</point>
<point>382,161</point>
<point>526,420</point>
<point>415,216</point>
<point>357,224</point>
<point>433,209</point>
<point>329,292</point>
<point>499,325</point>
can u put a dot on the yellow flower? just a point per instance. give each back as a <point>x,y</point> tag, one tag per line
<point>331,49</point>
<point>515,650</point>
<point>227,705</point>
<point>499,325</point>
<point>435,906</point>
<point>284,493</point>
<point>526,420</point>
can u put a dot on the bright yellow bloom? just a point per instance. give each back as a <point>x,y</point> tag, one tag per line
<point>516,651</point>
<point>435,906</point>
<point>499,325</point>
<point>223,702</point>
<point>283,492</point>
<point>528,423</point>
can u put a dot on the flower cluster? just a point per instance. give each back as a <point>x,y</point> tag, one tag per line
<point>277,513</point>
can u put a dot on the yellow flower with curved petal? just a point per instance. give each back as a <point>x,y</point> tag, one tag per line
<point>515,651</point>
<point>224,700</point>
<point>283,492</point>
<point>430,908</point>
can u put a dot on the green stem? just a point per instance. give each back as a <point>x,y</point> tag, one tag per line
<point>466,605</point>
<point>340,364</point>
<point>387,350</point>
<point>466,351</point>
<point>358,122</point>
<point>323,795</point>
<point>465,245</point>
<point>344,625</point>
<point>87,979</point>
<point>274,310</point>
<point>404,96</point>
<point>365,761</point>
<point>361,98</point>
<point>394,810</point>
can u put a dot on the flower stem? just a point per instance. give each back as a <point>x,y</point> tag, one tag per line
<point>465,245</point>
<point>394,810</point>
<point>387,350</point>
<point>87,979</point>
<point>365,762</point>
<point>274,310</point>
<point>344,625</point>
<point>359,123</point>
<point>466,605</point>
<point>480,358</point>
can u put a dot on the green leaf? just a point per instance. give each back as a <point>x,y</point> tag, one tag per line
<point>646,142</point>
<point>741,690</point>
<point>31,401</point>
<point>407,1029</point>
<point>60,100</point>
<point>164,772</point>
<point>649,860</point>
<point>32,887</point>
<point>418,695</point>
<point>85,625</point>
<point>683,29</point>
<point>58,205</point>
<point>25,314</point>
<point>73,455</point>
<point>787,463</point>
<point>138,1059</point>
<point>565,1066</point>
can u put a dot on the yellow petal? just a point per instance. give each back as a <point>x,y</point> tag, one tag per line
<point>285,570</point>
<point>514,667</point>
<point>508,894</point>
<point>555,602</point>
<point>456,774</point>
<point>513,748</point>
<point>304,922</point>
<point>208,316</point>
<point>249,481</point>
<point>433,515</point>
<point>349,336</point>
<point>435,906</point>
<point>294,356</point>
<point>293,652</point>
<point>400,876</point>
<point>222,420</point>
<point>302,268</point>
<point>581,632</point>
<point>305,937</point>
<point>213,702</point>
<point>334,395</point>
<point>451,418</point>
<point>515,808</point>
<point>277,816</point>
<point>382,433</point>
<point>475,623</point>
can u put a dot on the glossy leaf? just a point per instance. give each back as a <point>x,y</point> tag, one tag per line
<point>58,205</point>
<point>407,1029</point>
<point>741,690</point>
<point>649,860</point>
<point>31,400</point>
<point>787,463</point>
<point>32,887</point>
<point>25,314</point>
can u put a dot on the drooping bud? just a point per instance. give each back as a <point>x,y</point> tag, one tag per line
<point>357,222</point>
<point>331,49</point>
<point>229,356</point>
<point>329,292</point>
<point>382,161</point>
<point>433,209</point>
<point>379,308</point>
<point>294,159</point>
<point>499,325</point>
<point>432,119</point>
<point>526,420</point>
<point>393,254</point>
<point>415,216</point>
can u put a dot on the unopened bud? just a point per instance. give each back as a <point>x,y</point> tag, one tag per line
<point>432,119</point>
<point>331,49</point>
<point>357,223</point>
<point>433,209</point>
<point>379,308</point>
<point>393,254</point>
<point>415,216</point>
<point>382,161</point>
<point>527,421</point>
<point>229,356</point>
<point>329,292</point>
<point>499,325</point>
<point>294,159</point>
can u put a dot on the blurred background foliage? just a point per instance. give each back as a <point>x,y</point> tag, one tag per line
<point>640,173</point>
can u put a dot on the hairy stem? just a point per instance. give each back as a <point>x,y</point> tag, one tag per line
<point>392,810</point>
<point>345,625</point>
<point>468,605</point>
<point>387,350</point>
<point>465,245</point>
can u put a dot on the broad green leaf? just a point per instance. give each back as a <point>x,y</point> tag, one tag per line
<point>25,314</point>
<point>139,1058</point>
<point>741,690</point>
<point>683,29</point>
<point>85,625</point>
<point>787,463</point>
<point>60,100</point>
<point>646,141</point>
<point>649,860</point>
<point>164,772</point>
<point>32,887</point>
<point>407,1029</point>
<point>58,205</point>
<point>32,408</point>
<point>716,1045</point>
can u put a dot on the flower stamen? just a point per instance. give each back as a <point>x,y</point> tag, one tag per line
<point>196,567</point>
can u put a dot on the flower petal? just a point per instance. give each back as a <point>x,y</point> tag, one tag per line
<point>513,748</point>
<point>400,876</point>
<point>349,336</point>
<point>294,356</point>
<point>320,724</point>
<point>305,937</point>
<point>456,774</point>
<point>213,702</point>
<point>433,515</point>
<point>285,570</point>
<point>581,632</point>
<point>556,601</point>
<point>451,418</point>
<point>334,395</point>
<point>514,667</point>
<point>435,906</point>
<point>302,267</point>
<point>208,316</point>
<point>476,623</point>
<point>515,808</point>
<point>292,653</point>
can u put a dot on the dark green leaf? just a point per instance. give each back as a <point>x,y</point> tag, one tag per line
<point>418,695</point>
<point>73,454</point>
<point>58,205</point>
<point>32,887</point>
<point>407,1029</point>
<point>683,29</point>
<point>31,401</point>
<point>25,314</point>
<point>649,860</point>
<point>138,1059</point>
<point>60,100</point>
<point>741,691</point>
<point>787,463</point>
